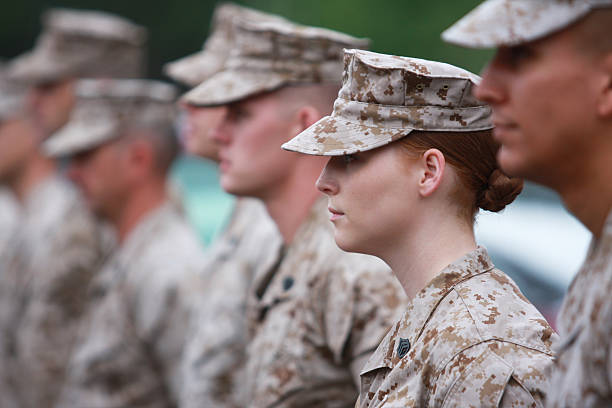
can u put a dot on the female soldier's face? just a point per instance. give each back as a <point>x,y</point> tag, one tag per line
<point>372,197</point>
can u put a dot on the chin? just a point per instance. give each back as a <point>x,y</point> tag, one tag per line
<point>346,244</point>
<point>511,163</point>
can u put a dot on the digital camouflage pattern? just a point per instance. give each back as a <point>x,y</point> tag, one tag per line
<point>105,107</point>
<point>130,344</point>
<point>384,97</point>
<point>496,23</point>
<point>314,319</point>
<point>193,69</point>
<point>268,55</point>
<point>583,368</point>
<point>216,348</point>
<point>53,255</point>
<point>468,339</point>
<point>79,43</point>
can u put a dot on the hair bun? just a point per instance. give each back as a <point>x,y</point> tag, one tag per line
<point>500,191</point>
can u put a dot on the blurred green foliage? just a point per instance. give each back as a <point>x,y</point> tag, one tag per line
<point>402,27</point>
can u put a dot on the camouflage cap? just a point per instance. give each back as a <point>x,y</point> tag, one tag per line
<point>269,55</point>
<point>193,69</point>
<point>105,107</point>
<point>76,43</point>
<point>12,96</point>
<point>497,23</point>
<point>383,98</point>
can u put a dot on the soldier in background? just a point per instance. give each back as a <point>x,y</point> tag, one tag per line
<point>550,86</point>
<point>121,144</point>
<point>317,313</point>
<point>59,245</point>
<point>215,353</point>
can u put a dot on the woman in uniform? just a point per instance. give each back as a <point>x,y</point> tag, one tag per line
<point>412,162</point>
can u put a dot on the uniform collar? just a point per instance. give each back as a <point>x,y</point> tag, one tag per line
<point>423,305</point>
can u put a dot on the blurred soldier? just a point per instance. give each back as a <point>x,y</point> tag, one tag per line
<point>316,315</point>
<point>215,353</point>
<point>550,86</point>
<point>121,144</point>
<point>45,267</point>
<point>59,245</point>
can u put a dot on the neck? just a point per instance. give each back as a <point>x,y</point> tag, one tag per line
<point>37,169</point>
<point>290,207</point>
<point>586,190</point>
<point>590,202</point>
<point>426,249</point>
<point>140,203</point>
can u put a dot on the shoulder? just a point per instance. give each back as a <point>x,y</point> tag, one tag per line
<point>500,311</point>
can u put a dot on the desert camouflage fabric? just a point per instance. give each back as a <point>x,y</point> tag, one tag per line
<point>583,368</point>
<point>314,319</point>
<point>216,349</point>
<point>79,43</point>
<point>270,54</point>
<point>468,339</point>
<point>384,97</point>
<point>105,107</point>
<point>497,23</point>
<point>53,255</point>
<point>193,69</point>
<point>130,344</point>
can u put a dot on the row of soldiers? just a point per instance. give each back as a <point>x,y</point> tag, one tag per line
<point>108,300</point>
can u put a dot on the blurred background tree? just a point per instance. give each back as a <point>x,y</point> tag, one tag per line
<point>401,27</point>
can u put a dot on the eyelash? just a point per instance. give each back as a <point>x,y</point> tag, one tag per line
<point>348,158</point>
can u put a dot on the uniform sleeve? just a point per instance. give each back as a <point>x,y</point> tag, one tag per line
<point>364,299</point>
<point>162,313</point>
<point>215,351</point>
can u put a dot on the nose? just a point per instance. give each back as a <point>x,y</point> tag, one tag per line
<point>221,134</point>
<point>327,183</point>
<point>492,87</point>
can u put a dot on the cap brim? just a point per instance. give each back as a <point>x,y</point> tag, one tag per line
<point>77,138</point>
<point>232,86</point>
<point>332,136</point>
<point>496,23</point>
<point>194,69</point>
<point>37,67</point>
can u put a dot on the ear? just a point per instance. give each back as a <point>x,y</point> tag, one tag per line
<point>140,156</point>
<point>304,118</point>
<point>605,102</point>
<point>432,171</point>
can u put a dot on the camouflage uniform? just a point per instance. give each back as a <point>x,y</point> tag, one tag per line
<point>215,353</point>
<point>130,344</point>
<point>315,317</point>
<point>469,338</point>
<point>583,367</point>
<point>54,254</point>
